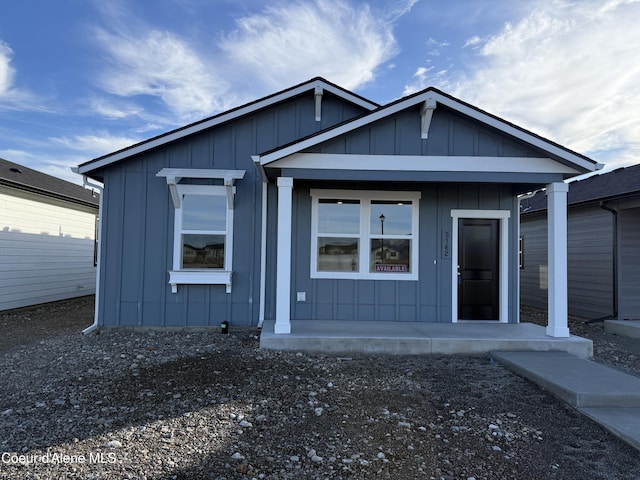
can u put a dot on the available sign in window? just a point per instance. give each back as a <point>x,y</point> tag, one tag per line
<point>390,231</point>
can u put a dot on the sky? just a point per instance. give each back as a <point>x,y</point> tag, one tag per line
<point>83,78</point>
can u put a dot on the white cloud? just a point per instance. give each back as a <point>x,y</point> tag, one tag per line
<point>567,71</point>
<point>473,41</point>
<point>57,155</point>
<point>59,167</point>
<point>283,44</point>
<point>161,64</point>
<point>12,97</point>
<point>6,71</point>
<point>426,77</point>
<point>289,43</point>
<point>94,145</point>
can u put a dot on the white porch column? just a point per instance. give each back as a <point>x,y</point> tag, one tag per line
<point>283,256</point>
<point>558,309</point>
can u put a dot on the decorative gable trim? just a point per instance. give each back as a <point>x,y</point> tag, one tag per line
<point>426,111</point>
<point>318,85</point>
<point>428,99</point>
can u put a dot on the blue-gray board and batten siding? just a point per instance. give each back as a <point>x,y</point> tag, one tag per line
<point>426,300</point>
<point>137,246</point>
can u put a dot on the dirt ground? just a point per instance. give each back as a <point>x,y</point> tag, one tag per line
<point>182,405</point>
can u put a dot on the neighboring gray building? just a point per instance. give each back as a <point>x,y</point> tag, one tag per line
<point>47,238</point>
<point>603,246</point>
<point>315,203</point>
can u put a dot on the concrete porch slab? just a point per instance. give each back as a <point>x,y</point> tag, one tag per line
<point>418,338</point>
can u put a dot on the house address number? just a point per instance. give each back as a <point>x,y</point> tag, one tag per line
<point>446,244</point>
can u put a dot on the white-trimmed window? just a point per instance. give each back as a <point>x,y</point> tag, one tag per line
<point>364,234</point>
<point>203,227</point>
<point>202,224</point>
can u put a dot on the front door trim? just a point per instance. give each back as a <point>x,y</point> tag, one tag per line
<point>503,300</point>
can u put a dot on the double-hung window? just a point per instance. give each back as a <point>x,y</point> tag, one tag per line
<point>364,234</point>
<point>203,226</point>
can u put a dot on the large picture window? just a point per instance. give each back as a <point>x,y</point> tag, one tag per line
<point>364,234</point>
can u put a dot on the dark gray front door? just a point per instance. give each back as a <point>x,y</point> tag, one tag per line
<point>478,268</point>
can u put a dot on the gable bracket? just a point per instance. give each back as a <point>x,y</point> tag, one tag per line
<point>174,175</point>
<point>228,184</point>
<point>318,91</point>
<point>426,110</point>
<point>173,189</point>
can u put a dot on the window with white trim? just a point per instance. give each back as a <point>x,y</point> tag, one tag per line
<point>202,223</point>
<point>203,226</point>
<point>364,234</point>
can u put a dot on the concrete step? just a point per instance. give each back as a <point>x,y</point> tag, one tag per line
<point>580,382</point>
<point>626,328</point>
<point>622,422</point>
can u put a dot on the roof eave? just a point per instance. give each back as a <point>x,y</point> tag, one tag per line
<point>160,140</point>
<point>582,163</point>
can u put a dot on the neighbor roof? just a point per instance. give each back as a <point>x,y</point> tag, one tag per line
<point>24,178</point>
<point>606,186</point>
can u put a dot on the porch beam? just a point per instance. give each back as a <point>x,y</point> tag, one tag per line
<point>558,310</point>
<point>283,256</point>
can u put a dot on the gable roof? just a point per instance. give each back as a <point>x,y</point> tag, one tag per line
<point>24,178</point>
<point>612,185</point>
<point>310,85</point>
<point>433,96</point>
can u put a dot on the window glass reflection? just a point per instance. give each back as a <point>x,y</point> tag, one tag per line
<point>337,254</point>
<point>204,212</point>
<point>339,216</point>
<point>203,251</point>
<point>391,217</point>
<point>390,256</point>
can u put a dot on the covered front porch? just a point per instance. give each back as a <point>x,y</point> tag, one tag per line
<point>418,338</point>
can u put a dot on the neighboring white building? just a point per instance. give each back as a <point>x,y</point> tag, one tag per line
<point>47,238</point>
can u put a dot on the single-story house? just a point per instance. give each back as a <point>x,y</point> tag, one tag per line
<point>47,238</point>
<point>247,215</point>
<point>603,247</point>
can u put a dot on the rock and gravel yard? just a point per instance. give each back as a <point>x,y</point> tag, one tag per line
<point>198,404</point>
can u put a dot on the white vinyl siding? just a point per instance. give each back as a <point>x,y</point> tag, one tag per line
<point>46,249</point>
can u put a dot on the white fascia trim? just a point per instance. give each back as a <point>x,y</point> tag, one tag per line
<point>503,216</point>
<point>199,277</point>
<point>429,96</point>
<point>184,132</point>
<point>418,163</point>
<point>174,175</point>
<point>519,134</point>
<point>229,176</point>
<point>334,132</point>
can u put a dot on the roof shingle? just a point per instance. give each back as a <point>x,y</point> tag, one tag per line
<point>24,178</point>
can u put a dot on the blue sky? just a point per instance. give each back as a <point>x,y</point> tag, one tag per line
<point>82,78</point>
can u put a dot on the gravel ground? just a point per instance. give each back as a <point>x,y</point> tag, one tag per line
<point>198,405</point>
